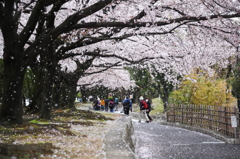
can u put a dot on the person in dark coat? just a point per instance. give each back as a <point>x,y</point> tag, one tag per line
<point>106,104</point>
<point>127,105</point>
<point>95,104</point>
<point>149,109</point>
<point>111,105</point>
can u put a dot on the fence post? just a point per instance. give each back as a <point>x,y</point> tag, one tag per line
<point>169,114</point>
<point>174,113</point>
<point>226,121</point>
<point>218,118</point>
<point>235,128</point>
<point>182,113</point>
<point>201,114</point>
<point>191,117</point>
<point>209,117</point>
<point>236,113</point>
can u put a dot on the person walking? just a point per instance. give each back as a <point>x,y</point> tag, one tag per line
<point>149,109</point>
<point>102,102</point>
<point>96,104</point>
<point>111,105</point>
<point>106,104</point>
<point>127,105</point>
<point>116,104</point>
<point>99,104</point>
<point>143,107</point>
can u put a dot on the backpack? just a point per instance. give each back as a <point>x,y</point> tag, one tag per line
<point>95,103</point>
<point>144,104</point>
<point>149,105</point>
<point>116,100</point>
<point>126,104</point>
<point>111,104</point>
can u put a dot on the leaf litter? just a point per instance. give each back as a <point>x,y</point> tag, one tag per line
<point>70,134</point>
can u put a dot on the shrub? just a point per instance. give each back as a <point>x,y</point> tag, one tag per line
<point>196,89</point>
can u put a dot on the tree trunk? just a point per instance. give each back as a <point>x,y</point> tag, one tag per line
<point>50,64</point>
<point>238,104</point>
<point>165,105</point>
<point>35,105</point>
<point>47,94</point>
<point>83,93</point>
<point>64,95</point>
<point>14,70</point>
<point>164,97</point>
<point>36,101</point>
<point>11,109</point>
<point>57,94</point>
<point>72,92</point>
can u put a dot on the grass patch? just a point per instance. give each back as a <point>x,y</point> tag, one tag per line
<point>39,121</point>
<point>79,104</point>
<point>157,106</point>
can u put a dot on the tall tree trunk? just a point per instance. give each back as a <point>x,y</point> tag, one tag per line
<point>50,64</point>
<point>47,94</point>
<point>64,95</point>
<point>164,96</point>
<point>11,109</point>
<point>238,104</point>
<point>35,105</point>
<point>165,104</point>
<point>72,92</point>
<point>57,94</point>
<point>36,100</point>
<point>14,70</point>
<point>83,93</point>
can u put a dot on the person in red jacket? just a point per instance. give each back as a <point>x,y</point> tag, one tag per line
<point>143,107</point>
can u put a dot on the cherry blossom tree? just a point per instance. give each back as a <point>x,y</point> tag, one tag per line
<point>115,78</point>
<point>163,31</point>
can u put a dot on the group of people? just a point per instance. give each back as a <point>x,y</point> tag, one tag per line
<point>111,104</point>
<point>144,105</point>
<point>145,108</point>
<point>105,104</point>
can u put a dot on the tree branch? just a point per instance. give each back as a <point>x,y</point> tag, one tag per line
<point>73,19</point>
<point>31,24</point>
<point>159,23</point>
<point>174,9</point>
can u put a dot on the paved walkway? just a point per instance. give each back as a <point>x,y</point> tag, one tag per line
<point>156,141</point>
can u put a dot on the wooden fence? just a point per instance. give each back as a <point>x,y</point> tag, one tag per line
<point>215,118</point>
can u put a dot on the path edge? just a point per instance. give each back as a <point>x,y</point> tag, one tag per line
<point>214,134</point>
<point>120,140</point>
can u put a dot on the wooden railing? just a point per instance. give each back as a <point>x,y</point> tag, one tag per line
<point>215,118</point>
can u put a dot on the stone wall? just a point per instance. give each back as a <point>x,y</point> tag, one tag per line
<point>120,140</point>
